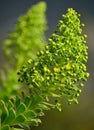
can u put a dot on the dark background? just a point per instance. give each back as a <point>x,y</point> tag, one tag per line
<point>72,117</point>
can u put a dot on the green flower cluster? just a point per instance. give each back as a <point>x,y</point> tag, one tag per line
<point>28,36</point>
<point>22,44</point>
<point>60,69</point>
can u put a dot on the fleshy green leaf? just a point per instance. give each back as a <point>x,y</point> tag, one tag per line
<point>6,127</point>
<point>5,112</point>
<point>33,122</point>
<point>21,108</point>
<point>30,114</point>
<point>19,119</point>
<point>27,101</point>
<point>11,117</point>
<point>39,112</point>
<point>17,102</point>
<point>10,104</point>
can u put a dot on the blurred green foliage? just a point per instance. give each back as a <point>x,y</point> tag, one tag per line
<point>22,44</point>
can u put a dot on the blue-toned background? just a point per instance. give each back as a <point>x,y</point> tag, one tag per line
<point>72,117</point>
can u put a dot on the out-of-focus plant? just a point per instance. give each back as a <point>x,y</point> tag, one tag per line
<point>59,70</point>
<point>22,44</point>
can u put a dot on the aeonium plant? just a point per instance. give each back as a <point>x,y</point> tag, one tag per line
<point>59,70</point>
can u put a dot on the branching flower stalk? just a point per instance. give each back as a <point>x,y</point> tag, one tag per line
<point>59,70</point>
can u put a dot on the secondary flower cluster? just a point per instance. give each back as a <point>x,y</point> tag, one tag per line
<point>28,36</point>
<point>22,44</point>
<point>60,69</point>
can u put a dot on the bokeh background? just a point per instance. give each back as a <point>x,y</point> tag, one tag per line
<point>72,117</point>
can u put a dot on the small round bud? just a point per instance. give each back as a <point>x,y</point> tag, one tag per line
<point>29,61</point>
